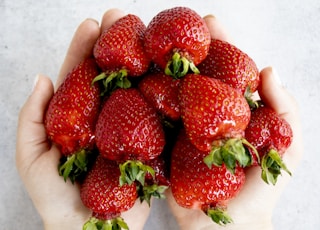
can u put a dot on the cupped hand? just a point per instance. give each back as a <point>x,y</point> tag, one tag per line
<point>58,202</point>
<point>253,207</point>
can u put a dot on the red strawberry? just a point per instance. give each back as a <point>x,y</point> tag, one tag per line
<point>71,116</point>
<point>271,135</point>
<point>161,91</point>
<point>128,129</point>
<point>231,65</point>
<point>177,39</point>
<point>215,116</point>
<point>196,186</point>
<point>101,193</point>
<point>120,53</point>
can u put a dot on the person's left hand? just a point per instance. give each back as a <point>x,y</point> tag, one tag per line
<point>58,202</point>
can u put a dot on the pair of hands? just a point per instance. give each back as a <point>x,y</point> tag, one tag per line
<point>59,204</point>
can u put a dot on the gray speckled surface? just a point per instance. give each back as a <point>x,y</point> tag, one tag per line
<point>34,38</point>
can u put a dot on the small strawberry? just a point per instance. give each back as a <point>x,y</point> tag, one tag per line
<point>177,39</point>
<point>271,135</point>
<point>129,129</point>
<point>196,186</point>
<point>161,91</point>
<point>215,116</point>
<point>231,65</point>
<point>71,116</point>
<point>103,195</point>
<point>119,52</point>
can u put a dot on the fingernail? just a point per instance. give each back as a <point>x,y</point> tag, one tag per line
<point>35,82</point>
<point>276,76</point>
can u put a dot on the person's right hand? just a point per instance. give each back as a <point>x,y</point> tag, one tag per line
<point>253,208</point>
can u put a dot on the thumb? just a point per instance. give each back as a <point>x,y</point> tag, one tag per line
<point>31,135</point>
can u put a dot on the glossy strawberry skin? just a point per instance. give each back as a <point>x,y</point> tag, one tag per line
<point>161,91</point>
<point>231,65</point>
<point>196,186</point>
<point>128,128</point>
<point>101,192</point>
<point>177,29</point>
<point>121,47</point>
<point>211,110</point>
<point>267,130</point>
<point>73,110</point>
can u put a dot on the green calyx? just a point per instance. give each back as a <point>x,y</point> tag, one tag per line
<point>271,165</point>
<point>231,153</point>
<point>73,166</point>
<point>112,224</point>
<point>113,81</point>
<point>219,216</point>
<point>148,191</point>
<point>179,66</point>
<point>134,170</point>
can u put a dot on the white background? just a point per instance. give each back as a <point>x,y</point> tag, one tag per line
<point>34,36</point>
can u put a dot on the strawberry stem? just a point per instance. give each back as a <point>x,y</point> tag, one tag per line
<point>73,166</point>
<point>134,170</point>
<point>113,81</point>
<point>271,165</point>
<point>178,66</point>
<point>148,191</point>
<point>230,153</point>
<point>112,224</point>
<point>219,216</point>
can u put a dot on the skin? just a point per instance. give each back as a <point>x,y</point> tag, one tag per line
<point>59,204</point>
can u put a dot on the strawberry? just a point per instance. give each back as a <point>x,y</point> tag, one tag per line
<point>177,39</point>
<point>101,193</point>
<point>71,116</point>
<point>271,135</point>
<point>215,116</point>
<point>196,186</point>
<point>231,65</point>
<point>128,129</point>
<point>119,52</point>
<point>161,91</point>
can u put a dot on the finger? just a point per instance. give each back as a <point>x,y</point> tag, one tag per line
<point>110,17</point>
<point>274,95</point>
<point>80,47</point>
<point>217,31</point>
<point>31,135</point>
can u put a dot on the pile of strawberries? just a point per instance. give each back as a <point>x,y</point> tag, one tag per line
<point>161,106</point>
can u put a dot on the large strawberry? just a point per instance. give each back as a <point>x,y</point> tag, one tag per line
<point>177,39</point>
<point>271,135</point>
<point>161,91</point>
<point>71,117</point>
<point>103,195</point>
<point>215,116</point>
<point>120,53</point>
<point>196,186</point>
<point>128,128</point>
<point>231,65</point>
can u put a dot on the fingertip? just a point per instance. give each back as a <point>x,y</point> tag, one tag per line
<point>80,47</point>
<point>273,94</point>
<point>110,17</point>
<point>217,31</point>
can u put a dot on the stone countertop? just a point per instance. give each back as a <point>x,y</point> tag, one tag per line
<point>285,34</point>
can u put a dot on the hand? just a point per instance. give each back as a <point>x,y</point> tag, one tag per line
<point>253,207</point>
<point>57,202</point>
